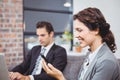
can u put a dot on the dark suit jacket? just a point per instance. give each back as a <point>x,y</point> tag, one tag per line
<point>56,56</point>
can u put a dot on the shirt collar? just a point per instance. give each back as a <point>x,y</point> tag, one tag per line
<point>49,46</point>
<point>92,55</point>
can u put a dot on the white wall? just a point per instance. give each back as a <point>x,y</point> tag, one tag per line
<point>111,11</point>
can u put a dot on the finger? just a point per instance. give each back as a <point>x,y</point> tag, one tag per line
<point>13,76</point>
<point>51,67</point>
<point>44,64</point>
<point>43,61</point>
<point>46,68</point>
<point>10,74</point>
<point>19,76</point>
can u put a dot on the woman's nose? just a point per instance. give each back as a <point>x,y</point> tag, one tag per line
<point>76,35</point>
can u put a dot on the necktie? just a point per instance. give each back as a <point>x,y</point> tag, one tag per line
<point>38,66</point>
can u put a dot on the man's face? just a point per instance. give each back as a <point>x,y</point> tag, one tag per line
<point>44,37</point>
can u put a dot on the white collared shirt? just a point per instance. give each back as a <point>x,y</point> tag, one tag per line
<point>47,48</point>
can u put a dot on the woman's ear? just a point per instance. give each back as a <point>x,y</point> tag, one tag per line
<point>97,31</point>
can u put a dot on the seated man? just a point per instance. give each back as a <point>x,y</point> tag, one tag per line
<point>31,68</point>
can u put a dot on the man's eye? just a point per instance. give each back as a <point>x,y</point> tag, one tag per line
<point>43,35</point>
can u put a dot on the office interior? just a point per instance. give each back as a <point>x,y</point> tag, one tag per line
<point>18,20</point>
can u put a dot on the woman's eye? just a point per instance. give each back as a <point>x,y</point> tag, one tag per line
<point>79,30</point>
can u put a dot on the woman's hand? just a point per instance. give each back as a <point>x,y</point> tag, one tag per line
<point>52,71</point>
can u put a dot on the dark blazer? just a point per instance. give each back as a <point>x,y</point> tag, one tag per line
<point>56,56</point>
<point>104,67</point>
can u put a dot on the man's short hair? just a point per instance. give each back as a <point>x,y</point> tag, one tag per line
<point>44,24</point>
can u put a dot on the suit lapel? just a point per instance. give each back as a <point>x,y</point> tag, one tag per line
<point>99,54</point>
<point>37,55</point>
<point>35,58</point>
<point>82,65</point>
<point>50,51</point>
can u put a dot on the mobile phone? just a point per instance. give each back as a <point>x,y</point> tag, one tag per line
<point>44,58</point>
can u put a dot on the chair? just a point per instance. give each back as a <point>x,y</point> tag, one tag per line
<point>72,68</point>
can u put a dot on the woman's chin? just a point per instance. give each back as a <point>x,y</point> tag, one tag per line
<point>83,45</point>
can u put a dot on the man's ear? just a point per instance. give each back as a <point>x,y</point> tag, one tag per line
<point>51,34</point>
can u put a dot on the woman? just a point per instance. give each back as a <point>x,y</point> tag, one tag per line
<point>93,31</point>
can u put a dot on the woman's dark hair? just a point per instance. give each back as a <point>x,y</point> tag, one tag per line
<point>94,19</point>
<point>46,25</point>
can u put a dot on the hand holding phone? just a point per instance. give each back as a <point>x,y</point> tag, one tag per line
<point>44,58</point>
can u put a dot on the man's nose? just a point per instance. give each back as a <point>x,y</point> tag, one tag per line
<point>39,37</point>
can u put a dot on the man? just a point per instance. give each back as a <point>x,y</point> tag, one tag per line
<point>55,55</point>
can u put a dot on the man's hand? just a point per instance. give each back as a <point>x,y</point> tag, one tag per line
<point>17,76</point>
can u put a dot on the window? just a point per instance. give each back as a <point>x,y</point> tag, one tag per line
<point>52,11</point>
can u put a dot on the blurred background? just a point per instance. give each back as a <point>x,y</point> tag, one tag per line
<point>18,20</point>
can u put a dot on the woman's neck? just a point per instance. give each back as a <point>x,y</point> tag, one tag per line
<point>96,43</point>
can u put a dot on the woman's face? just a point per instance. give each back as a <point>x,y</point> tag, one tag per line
<point>83,34</point>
